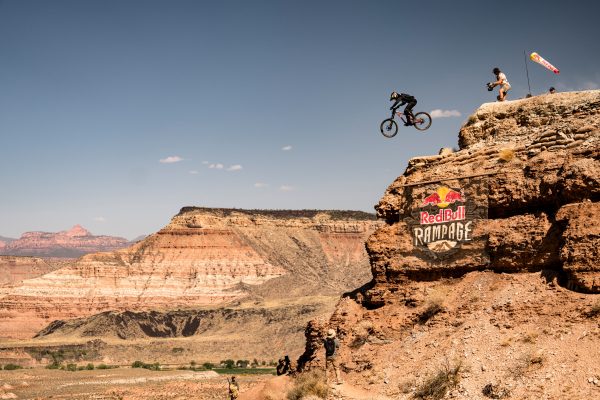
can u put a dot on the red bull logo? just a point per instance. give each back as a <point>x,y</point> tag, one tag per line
<point>443,230</point>
<point>443,197</point>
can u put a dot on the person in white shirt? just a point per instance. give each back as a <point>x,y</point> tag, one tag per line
<point>502,82</point>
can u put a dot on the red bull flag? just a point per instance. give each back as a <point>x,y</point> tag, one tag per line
<point>538,59</point>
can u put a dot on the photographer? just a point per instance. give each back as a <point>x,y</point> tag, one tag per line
<point>500,81</point>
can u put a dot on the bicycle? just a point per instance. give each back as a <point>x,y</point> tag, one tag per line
<point>389,127</point>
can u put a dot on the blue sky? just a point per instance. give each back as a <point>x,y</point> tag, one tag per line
<point>282,99</point>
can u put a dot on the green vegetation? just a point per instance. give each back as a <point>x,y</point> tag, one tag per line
<point>177,350</point>
<point>141,364</point>
<point>245,371</point>
<point>307,384</point>
<point>104,366</point>
<point>12,367</point>
<point>208,365</point>
<point>71,367</point>
<point>437,385</point>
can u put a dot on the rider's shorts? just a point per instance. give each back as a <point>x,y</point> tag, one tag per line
<point>506,87</point>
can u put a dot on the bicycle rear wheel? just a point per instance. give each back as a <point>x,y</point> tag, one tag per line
<point>422,121</point>
<point>389,128</point>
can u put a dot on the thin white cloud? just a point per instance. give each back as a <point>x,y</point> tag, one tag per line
<point>260,185</point>
<point>99,219</point>
<point>170,160</point>
<point>194,172</point>
<point>286,188</point>
<point>437,113</point>
<point>205,162</point>
<point>216,166</point>
<point>236,167</point>
<point>286,148</point>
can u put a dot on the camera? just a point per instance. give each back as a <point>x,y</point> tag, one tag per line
<point>490,86</point>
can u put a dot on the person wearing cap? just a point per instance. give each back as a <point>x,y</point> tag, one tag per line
<point>332,344</point>
<point>234,389</point>
<point>552,90</point>
<point>500,81</point>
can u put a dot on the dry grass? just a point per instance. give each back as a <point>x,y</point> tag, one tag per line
<point>433,307</point>
<point>530,337</point>
<point>525,364</point>
<point>437,385</point>
<point>506,155</point>
<point>594,310</point>
<point>311,383</point>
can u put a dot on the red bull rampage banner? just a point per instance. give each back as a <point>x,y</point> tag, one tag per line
<point>443,220</point>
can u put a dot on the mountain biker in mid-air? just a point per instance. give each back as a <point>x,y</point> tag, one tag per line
<point>402,99</point>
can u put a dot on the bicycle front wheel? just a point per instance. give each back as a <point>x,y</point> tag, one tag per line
<point>422,121</point>
<point>389,128</point>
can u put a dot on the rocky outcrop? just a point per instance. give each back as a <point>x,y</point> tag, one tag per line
<point>525,162</point>
<point>203,257</point>
<point>75,242</point>
<point>488,258</point>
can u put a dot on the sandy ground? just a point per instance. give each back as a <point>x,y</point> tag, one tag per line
<point>119,384</point>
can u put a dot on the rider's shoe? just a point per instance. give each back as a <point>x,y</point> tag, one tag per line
<point>408,123</point>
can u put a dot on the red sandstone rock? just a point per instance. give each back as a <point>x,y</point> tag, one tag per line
<point>72,243</point>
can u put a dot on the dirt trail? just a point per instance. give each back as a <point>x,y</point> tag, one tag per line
<point>347,391</point>
<point>273,389</point>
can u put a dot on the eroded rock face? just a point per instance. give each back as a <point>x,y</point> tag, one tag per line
<point>14,270</point>
<point>75,242</point>
<point>531,162</point>
<point>535,165</point>
<point>203,257</point>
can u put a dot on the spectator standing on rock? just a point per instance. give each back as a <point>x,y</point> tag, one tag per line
<point>500,81</point>
<point>234,389</point>
<point>280,367</point>
<point>332,344</point>
<point>552,90</point>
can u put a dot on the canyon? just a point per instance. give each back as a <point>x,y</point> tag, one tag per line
<point>274,270</point>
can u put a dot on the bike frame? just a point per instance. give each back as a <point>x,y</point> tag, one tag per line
<point>400,114</point>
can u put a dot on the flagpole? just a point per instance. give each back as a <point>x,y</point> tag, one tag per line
<point>527,71</point>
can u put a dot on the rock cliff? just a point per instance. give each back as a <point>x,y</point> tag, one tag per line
<point>75,242</point>
<point>487,262</point>
<point>203,257</point>
<point>14,270</point>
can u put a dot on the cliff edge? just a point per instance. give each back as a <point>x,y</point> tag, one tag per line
<point>485,273</point>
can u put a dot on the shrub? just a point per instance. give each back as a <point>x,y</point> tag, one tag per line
<point>208,365</point>
<point>137,364</point>
<point>53,366</point>
<point>437,385</point>
<point>594,311</point>
<point>506,155</point>
<point>434,307</point>
<point>71,367</point>
<point>307,384</point>
<point>177,350</point>
<point>103,366</point>
<point>89,367</point>
<point>12,367</point>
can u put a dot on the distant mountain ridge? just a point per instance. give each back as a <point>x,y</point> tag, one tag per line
<point>74,242</point>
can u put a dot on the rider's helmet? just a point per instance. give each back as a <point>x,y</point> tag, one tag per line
<point>394,95</point>
<point>496,71</point>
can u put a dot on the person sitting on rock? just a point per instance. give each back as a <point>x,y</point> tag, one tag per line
<point>400,100</point>
<point>500,81</point>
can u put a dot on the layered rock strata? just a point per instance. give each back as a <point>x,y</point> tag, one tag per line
<point>534,165</point>
<point>204,256</point>
<point>14,270</point>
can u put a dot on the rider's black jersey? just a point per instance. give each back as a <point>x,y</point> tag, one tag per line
<point>403,99</point>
